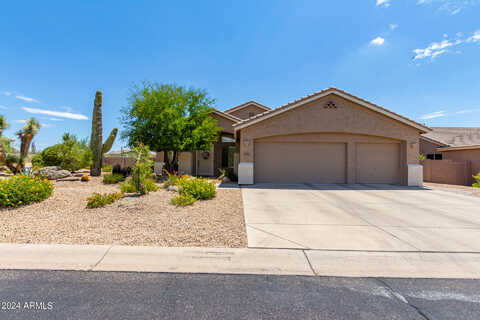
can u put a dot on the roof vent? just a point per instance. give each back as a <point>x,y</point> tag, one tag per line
<point>330,105</point>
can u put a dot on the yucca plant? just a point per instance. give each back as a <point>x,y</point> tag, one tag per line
<point>16,163</point>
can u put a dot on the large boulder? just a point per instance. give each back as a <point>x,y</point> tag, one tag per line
<point>53,173</point>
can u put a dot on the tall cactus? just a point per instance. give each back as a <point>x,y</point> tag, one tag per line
<point>98,149</point>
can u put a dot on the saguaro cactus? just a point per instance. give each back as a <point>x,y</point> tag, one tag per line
<point>98,149</point>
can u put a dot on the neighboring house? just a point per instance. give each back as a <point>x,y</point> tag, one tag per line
<point>459,146</point>
<point>329,137</point>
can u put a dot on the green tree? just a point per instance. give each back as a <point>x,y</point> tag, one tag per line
<point>72,154</point>
<point>167,117</point>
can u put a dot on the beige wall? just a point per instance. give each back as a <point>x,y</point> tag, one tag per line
<point>224,123</point>
<point>472,155</point>
<point>448,172</point>
<point>244,113</point>
<point>348,121</point>
<point>427,147</point>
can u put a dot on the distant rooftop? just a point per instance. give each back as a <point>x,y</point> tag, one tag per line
<point>455,136</point>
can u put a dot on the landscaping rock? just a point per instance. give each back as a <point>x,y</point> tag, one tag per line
<point>53,173</point>
<point>226,179</point>
<point>172,188</point>
<point>69,179</point>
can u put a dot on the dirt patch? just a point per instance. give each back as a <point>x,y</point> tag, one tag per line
<point>146,220</point>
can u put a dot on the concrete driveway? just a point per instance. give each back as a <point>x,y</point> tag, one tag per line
<point>361,217</point>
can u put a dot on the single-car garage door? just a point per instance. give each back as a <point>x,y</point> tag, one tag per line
<point>378,163</point>
<point>297,162</point>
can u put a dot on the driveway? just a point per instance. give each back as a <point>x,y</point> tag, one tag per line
<point>361,217</point>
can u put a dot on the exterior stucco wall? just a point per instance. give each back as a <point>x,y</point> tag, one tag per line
<point>224,123</point>
<point>427,147</point>
<point>349,122</point>
<point>465,155</point>
<point>244,113</point>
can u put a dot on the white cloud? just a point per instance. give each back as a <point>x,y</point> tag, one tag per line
<point>45,125</point>
<point>437,48</point>
<point>433,115</point>
<point>3,107</point>
<point>55,119</point>
<point>393,26</point>
<point>433,50</point>
<point>378,41</point>
<point>68,115</point>
<point>383,3</point>
<point>26,98</point>
<point>467,111</point>
<point>452,7</point>
<point>6,93</point>
<point>475,37</point>
<point>19,121</point>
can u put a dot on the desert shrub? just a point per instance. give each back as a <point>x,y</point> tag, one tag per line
<point>171,180</point>
<point>107,168</point>
<point>117,169</point>
<point>229,174</point>
<point>101,200</point>
<point>72,154</point>
<point>477,184</point>
<point>199,188</point>
<point>85,178</point>
<point>129,187</point>
<point>142,171</point>
<point>183,200</point>
<point>113,178</point>
<point>37,161</point>
<point>24,189</point>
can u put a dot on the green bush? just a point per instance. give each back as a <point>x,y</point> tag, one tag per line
<point>129,187</point>
<point>24,189</point>
<point>107,168</point>
<point>198,188</point>
<point>101,200</point>
<point>113,178</point>
<point>142,171</point>
<point>72,154</point>
<point>183,200</point>
<point>477,184</point>
<point>172,179</point>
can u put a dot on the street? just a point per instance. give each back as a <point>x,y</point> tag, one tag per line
<point>122,295</point>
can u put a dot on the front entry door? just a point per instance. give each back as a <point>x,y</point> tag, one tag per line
<point>205,163</point>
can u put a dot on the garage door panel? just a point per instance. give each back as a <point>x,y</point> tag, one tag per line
<point>378,163</point>
<point>297,162</point>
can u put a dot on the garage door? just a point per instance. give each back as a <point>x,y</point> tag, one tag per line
<point>300,162</point>
<point>378,163</point>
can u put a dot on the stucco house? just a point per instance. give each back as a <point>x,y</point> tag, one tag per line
<point>459,151</point>
<point>328,137</point>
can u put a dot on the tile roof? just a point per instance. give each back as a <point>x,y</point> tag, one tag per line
<point>240,106</point>
<point>455,136</point>
<point>334,90</point>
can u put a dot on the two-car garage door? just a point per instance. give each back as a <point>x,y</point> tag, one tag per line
<point>324,163</point>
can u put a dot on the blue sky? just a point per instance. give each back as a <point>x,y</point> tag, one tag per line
<point>419,58</point>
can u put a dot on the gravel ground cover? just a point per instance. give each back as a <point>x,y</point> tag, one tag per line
<point>146,220</point>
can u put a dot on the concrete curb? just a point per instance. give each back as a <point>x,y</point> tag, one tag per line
<point>240,261</point>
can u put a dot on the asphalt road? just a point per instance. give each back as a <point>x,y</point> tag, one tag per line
<point>120,295</point>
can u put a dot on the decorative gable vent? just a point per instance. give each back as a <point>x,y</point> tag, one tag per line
<point>330,105</point>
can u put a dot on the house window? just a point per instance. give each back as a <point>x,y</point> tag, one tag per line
<point>251,114</point>
<point>435,156</point>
